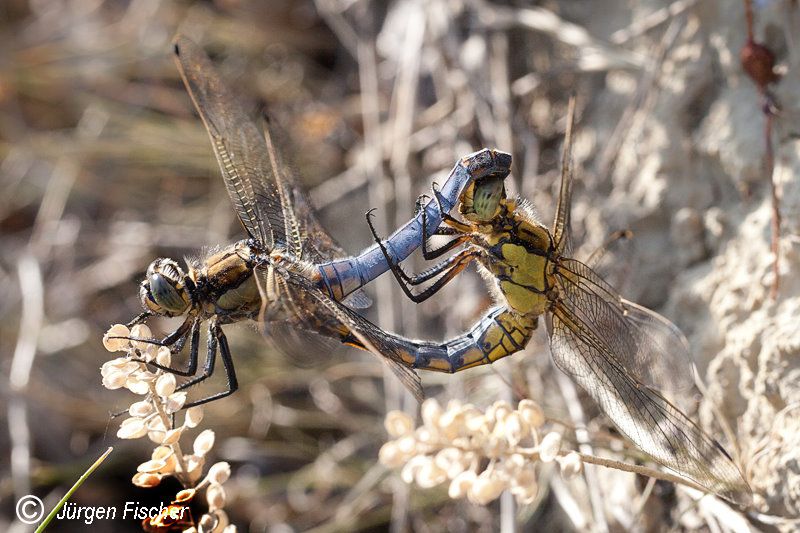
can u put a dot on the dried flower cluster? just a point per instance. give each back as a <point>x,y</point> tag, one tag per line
<point>154,416</point>
<point>481,454</point>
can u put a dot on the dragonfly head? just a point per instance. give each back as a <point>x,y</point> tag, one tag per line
<point>163,290</point>
<point>481,199</point>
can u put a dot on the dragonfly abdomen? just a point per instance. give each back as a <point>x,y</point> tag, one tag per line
<point>500,333</point>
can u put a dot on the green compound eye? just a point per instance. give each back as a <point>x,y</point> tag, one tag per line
<point>487,196</point>
<point>166,294</point>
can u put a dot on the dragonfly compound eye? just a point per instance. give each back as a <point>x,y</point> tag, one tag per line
<point>486,197</point>
<point>163,290</point>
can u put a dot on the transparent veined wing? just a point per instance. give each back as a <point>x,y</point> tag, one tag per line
<point>249,170</point>
<point>646,344</point>
<point>588,354</point>
<point>306,307</point>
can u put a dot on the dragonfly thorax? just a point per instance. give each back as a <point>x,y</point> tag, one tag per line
<point>163,290</point>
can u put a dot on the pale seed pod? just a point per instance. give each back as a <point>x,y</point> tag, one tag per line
<point>222,521</point>
<point>145,480</point>
<point>175,402</point>
<point>429,475</point>
<point>549,447</point>
<point>194,467</point>
<point>116,345</point>
<point>185,495</point>
<point>120,364</point>
<point>531,413</point>
<point>391,456</point>
<point>215,496</point>
<point>162,452</point>
<point>446,456</point>
<point>451,423</point>
<point>230,528</point>
<point>423,434</point>
<point>219,472</point>
<point>156,436</point>
<point>132,428</point>
<point>498,411</point>
<point>462,484</point>
<point>163,356</point>
<point>204,442</point>
<point>431,411</point>
<point>515,428</point>
<point>137,385</point>
<point>486,488</point>
<point>398,424</point>
<point>165,385</point>
<point>206,523</point>
<point>141,331</point>
<point>172,436</point>
<point>409,472</point>
<point>571,465</point>
<point>114,379</point>
<point>474,420</point>
<point>193,416</point>
<point>407,445</point>
<point>141,409</point>
<point>152,467</point>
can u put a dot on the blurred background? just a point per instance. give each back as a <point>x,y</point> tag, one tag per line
<point>104,166</point>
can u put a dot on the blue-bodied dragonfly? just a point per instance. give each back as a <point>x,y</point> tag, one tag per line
<point>286,274</point>
<point>619,352</point>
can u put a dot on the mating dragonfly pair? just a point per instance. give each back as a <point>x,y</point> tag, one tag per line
<point>289,275</point>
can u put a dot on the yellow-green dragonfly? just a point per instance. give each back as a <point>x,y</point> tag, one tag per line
<point>619,352</point>
<point>289,273</point>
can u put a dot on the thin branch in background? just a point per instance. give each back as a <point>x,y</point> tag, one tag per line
<point>645,92</point>
<point>758,62</point>
<point>570,394</point>
<point>32,295</point>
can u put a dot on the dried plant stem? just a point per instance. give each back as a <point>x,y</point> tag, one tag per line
<point>176,447</point>
<point>769,158</point>
<point>637,469</point>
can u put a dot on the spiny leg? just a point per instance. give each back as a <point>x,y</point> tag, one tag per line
<point>216,338</point>
<point>429,253</point>
<point>602,250</point>
<point>448,269</point>
<point>194,348</point>
<point>447,218</point>
<point>175,341</point>
<point>138,319</point>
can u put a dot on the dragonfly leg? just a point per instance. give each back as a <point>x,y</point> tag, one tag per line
<point>597,255</point>
<point>448,269</point>
<point>138,319</point>
<point>216,339</point>
<point>447,218</point>
<point>191,368</point>
<point>429,253</point>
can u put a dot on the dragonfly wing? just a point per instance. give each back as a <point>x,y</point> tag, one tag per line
<point>662,347</point>
<point>644,416</point>
<point>646,344</point>
<point>249,171</point>
<point>301,305</point>
<point>374,340</point>
<point>561,225</point>
<point>303,347</point>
